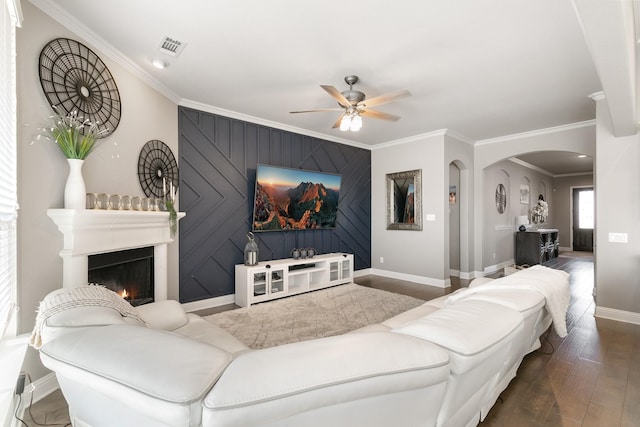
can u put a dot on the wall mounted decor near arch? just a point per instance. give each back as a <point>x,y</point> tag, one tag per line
<point>542,189</point>
<point>157,169</point>
<point>404,200</point>
<point>524,193</point>
<point>74,78</point>
<point>501,198</point>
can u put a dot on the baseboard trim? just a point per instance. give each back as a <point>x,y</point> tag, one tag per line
<point>471,275</point>
<point>497,267</point>
<point>363,272</point>
<point>619,315</point>
<point>209,303</point>
<point>39,389</point>
<point>412,278</point>
<point>455,273</point>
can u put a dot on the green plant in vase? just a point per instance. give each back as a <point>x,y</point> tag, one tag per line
<point>169,202</point>
<point>75,136</point>
<point>173,217</point>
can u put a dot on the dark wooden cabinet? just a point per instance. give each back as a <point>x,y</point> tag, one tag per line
<point>536,246</point>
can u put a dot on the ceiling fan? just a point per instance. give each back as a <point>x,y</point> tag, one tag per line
<point>354,105</point>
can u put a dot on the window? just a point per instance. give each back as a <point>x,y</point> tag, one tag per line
<point>585,209</point>
<point>8,171</point>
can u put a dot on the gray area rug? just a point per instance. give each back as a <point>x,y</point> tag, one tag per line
<point>317,314</point>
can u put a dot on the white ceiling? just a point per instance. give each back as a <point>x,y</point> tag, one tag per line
<point>481,69</point>
<point>558,163</point>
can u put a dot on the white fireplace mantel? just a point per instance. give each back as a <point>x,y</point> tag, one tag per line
<point>88,232</point>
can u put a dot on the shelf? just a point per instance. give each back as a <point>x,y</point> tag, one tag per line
<point>306,271</point>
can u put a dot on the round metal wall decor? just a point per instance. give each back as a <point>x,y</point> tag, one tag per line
<point>501,198</point>
<point>157,168</point>
<point>74,78</point>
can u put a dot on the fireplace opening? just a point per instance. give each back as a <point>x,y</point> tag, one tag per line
<point>129,273</point>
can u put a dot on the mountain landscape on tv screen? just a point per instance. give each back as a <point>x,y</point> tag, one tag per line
<point>307,206</point>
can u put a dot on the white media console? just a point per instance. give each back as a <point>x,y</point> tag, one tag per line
<point>284,277</point>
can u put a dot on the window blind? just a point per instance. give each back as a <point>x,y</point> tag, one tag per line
<point>8,169</point>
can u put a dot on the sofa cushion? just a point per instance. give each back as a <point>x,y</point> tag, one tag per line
<point>77,318</point>
<point>86,316</point>
<point>160,364</point>
<point>207,332</point>
<point>438,302</point>
<point>409,315</point>
<point>479,281</point>
<point>526,301</point>
<point>326,364</point>
<point>467,327</point>
<point>166,315</point>
<point>376,327</point>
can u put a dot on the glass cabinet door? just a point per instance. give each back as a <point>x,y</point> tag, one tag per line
<point>334,273</point>
<point>346,269</point>
<point>277,281</point>
<point>259,283</point>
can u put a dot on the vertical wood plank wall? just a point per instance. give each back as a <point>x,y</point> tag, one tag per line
<point>217,159</point>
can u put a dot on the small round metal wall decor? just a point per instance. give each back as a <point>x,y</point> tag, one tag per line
<point>157,169</point>
<point>74,78</point>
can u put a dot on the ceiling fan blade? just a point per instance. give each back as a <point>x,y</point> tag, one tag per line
<point>383,99</point>
<point>337,123</point>
<point>337,95</point>
<point>317,110</point>
<point>379,115</point>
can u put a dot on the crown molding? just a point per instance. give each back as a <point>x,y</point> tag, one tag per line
<point>461,137</point>
<point>545,131</point>
<point>569,175</point>
<point>546,172</point>
<point>84,32</point>
<point>259,121</point>
<point>530,166</point>
<point>15,12</point>
<point>439,132</point>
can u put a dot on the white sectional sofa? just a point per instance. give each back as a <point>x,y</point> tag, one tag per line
<point>441,364</point>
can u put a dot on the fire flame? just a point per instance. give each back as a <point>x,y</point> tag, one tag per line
<point>124,294</point>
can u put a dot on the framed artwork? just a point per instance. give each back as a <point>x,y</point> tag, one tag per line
<point>294,199</point>
<point>501,198</point>
<point>404,204</point>
<point>524,194</point>
<point>409,206</point>
<point>452,194</point>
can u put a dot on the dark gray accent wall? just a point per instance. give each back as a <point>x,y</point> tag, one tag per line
<point>217,159</point>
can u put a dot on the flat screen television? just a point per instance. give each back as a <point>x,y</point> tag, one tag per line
<point>294,199</point>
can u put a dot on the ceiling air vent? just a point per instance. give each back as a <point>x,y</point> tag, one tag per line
<point>171,46</point>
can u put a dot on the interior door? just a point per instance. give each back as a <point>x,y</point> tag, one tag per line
<point>583,219</point>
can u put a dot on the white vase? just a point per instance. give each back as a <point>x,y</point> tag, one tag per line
<point>75,194</point>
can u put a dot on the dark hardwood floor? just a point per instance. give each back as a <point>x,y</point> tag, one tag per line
<point>590,378</point>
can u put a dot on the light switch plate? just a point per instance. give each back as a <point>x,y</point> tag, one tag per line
<point>618,238</point>
<point>431,217</point>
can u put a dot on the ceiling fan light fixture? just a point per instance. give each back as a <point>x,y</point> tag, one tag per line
<point>345,123</point>
<point>356,123</point>
<point>352,105</point>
